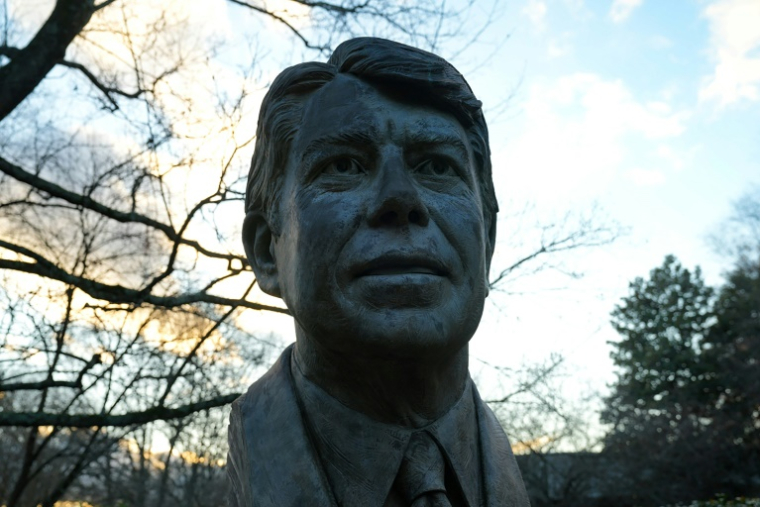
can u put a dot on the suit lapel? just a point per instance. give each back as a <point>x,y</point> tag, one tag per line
<point>502,483</point>
<point>282,465</point>
<point>268,422</point>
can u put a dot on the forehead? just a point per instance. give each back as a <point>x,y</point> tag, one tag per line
<point>348,104</point>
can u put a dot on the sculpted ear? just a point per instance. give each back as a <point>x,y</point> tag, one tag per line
<point>490,245</point>
<point>259,248</point>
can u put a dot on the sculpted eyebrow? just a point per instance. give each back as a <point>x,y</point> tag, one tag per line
<point>439,139</point>
<point>363,138</point>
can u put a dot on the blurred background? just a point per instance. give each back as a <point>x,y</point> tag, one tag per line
<point>620,344</point>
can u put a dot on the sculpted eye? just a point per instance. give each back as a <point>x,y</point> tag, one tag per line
<point>343,166</point>
<point>436,167</point>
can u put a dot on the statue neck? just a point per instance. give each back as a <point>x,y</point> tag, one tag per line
<point>406,392</point>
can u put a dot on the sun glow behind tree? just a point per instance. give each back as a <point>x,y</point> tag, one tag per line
<point>123,171</point>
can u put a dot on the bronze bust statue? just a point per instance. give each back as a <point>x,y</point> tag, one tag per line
<point>370,211</point>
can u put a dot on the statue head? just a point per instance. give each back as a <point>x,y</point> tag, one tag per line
<point>370,207</point>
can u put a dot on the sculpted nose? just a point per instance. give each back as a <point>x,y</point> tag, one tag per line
<point>398,201</point>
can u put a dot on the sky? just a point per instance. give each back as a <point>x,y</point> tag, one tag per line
<point>640,113</point>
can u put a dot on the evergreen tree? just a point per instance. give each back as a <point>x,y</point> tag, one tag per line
<point>732,351</point>
<point>663,323</point>
<point>658,407</point>
<point>685,409</point>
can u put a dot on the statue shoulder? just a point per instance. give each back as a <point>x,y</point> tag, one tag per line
<point>275,384</point>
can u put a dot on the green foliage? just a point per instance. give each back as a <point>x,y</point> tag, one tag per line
<point>732,347</point>
<point>685,410</point>
<point>663,323</point>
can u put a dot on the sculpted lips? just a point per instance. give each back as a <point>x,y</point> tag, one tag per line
<point>402,264</point>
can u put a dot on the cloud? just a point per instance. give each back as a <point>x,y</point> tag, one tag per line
<point>660,42</point>
<point>734,45</point>
<point>556,49</point>
<point>622,9</point>
<point>575,6</point>
<point>535,10</point>
<point>560,45</point>
<point>578,133</point>
<point>673,159</point>
<point>646,177</point>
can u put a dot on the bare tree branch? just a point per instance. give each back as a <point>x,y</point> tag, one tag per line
<point>87,202</point>
<point>103,4</point>
<point>108,91</point>
<point>342,9</point>
<point>559,237</point>
<point>49,382</point>
<point>282,20</point>
<point>9,51</point>
<point>20,76</point>
<point>540,376</point>
<point>118,294</point>
<point>34,419</point>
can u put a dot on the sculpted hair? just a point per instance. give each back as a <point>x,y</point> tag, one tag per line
<point>411,73</point>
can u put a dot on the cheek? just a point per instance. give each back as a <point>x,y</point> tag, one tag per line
<point>325,222</point>
<point>461,221</point>
<point>326,218</point>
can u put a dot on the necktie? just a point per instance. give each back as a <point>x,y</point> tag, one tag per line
<point>421,476</point>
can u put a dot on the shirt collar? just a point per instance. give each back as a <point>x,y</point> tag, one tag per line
<point>361,456</point>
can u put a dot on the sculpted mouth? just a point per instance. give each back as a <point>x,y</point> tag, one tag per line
<point>390,265</point>
<point>400,270</point>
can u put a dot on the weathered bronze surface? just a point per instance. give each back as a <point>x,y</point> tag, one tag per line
<point>371,213</point>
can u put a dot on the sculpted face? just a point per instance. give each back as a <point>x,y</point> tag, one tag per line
<point>380,245</point>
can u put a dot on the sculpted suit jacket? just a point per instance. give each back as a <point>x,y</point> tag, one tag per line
<point>272,462</point>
